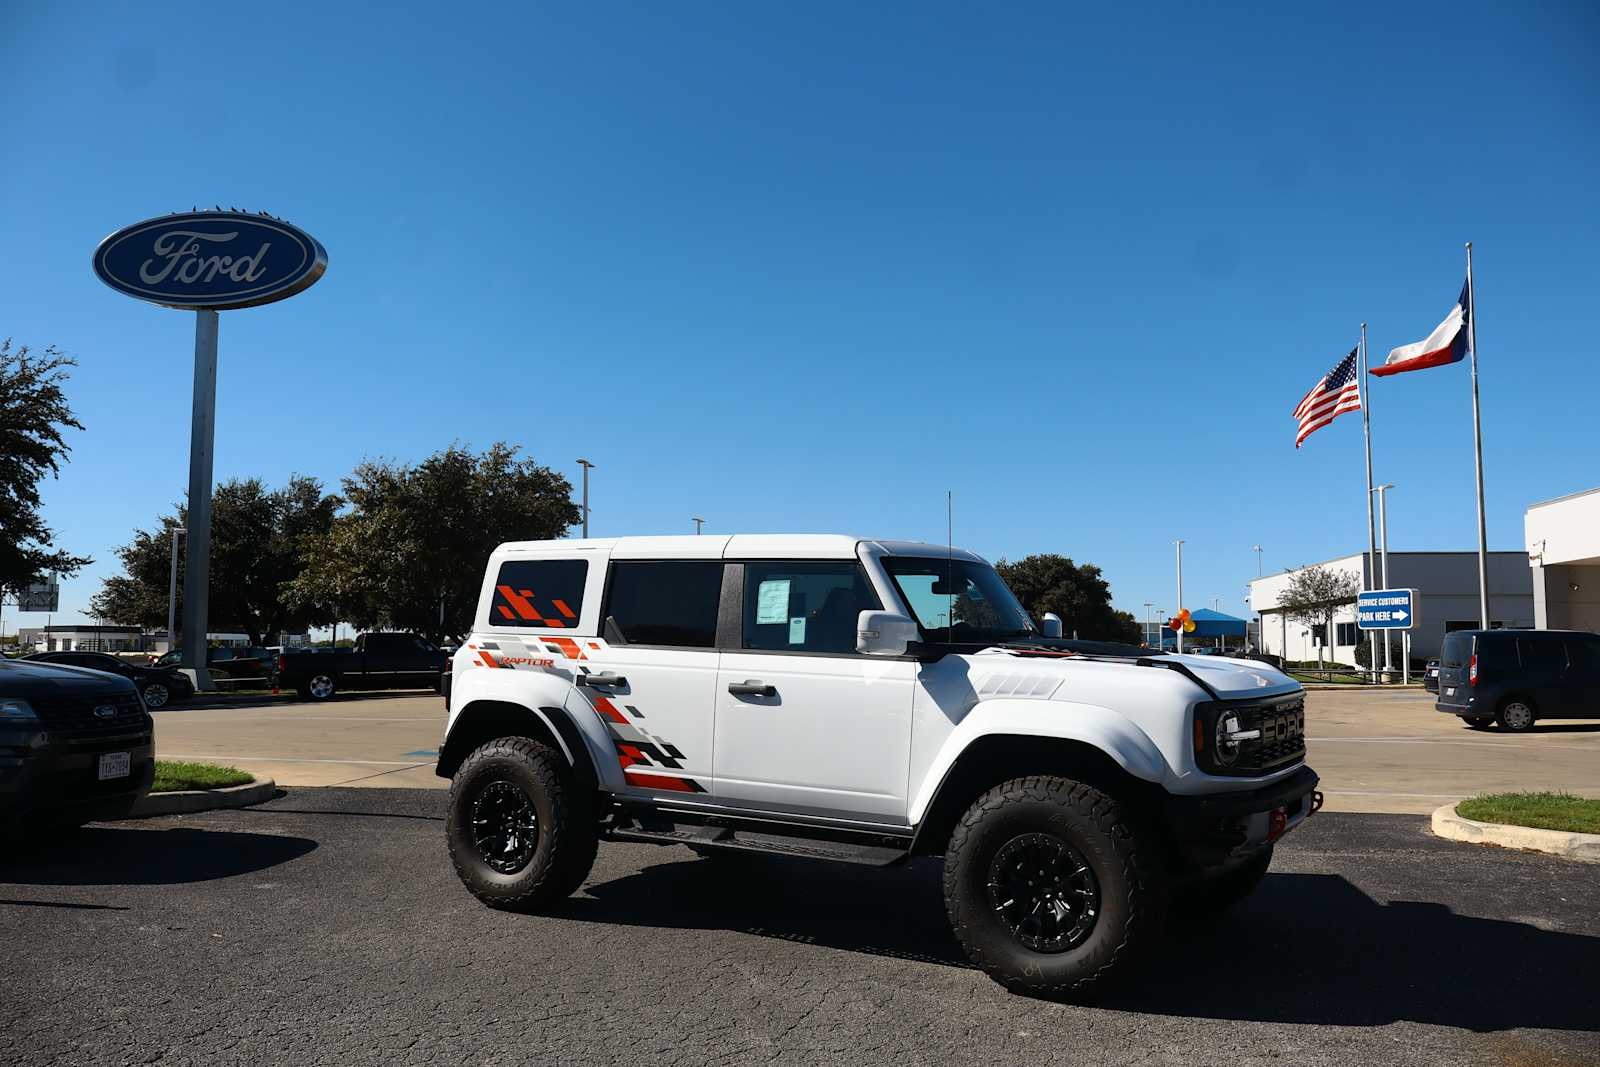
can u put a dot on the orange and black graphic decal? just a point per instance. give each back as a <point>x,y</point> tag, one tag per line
<point>638,752</point>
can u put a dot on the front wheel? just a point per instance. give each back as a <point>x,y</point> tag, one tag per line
<point>1516,716</point>
<point>1050,887</point>
<point>520,826</point>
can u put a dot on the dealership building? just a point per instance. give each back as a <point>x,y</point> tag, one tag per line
<point>1447,599</point>
<point>1564,554</point>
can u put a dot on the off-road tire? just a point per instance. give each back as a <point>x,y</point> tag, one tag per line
<point>1131,878</point>
<point>567,834</point>
<point>1217,893</point>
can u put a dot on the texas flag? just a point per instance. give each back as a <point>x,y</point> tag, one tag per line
<point>1446,344</point>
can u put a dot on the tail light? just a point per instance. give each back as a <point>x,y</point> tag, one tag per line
<point>281,661</point>
<point>1472,670</point>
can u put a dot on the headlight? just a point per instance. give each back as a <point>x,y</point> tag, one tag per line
<point>1229,734</point>
<point>12,710</point>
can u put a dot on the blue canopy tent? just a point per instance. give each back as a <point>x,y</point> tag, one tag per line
<point>1210,627</point>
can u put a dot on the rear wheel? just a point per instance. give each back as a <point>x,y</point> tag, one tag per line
<point>156,695</point>
<point>521,827</point>
<point>1050,888</point>
<point>319,687</point>
<point>1516,715</point>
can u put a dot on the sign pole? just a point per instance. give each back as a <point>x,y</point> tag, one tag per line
<point>202,438</point>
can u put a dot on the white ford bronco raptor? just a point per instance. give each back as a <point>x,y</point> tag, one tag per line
<point>862,701</point>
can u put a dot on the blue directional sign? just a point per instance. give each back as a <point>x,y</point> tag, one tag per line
<point>1387,609</point>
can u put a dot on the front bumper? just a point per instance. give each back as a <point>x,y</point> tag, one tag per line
<point>43,774</point>
<point>1221,827</point>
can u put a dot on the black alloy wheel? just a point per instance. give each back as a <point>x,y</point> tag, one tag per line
<point>1044,892</point>
<point>505,827</point>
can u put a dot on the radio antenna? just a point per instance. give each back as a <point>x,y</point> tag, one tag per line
<point>949,567</point>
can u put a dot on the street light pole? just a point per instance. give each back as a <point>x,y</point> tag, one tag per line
<point>1383,523</point>
<point>1147,631</point>
<point>698,522</point>
<point>1261,620</point>
<point>1179,545</point>
<point>172,592</point>
<point>586,465</point>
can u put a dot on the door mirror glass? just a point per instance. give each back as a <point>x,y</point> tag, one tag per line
<point>884,633</point>
<point>1050,625</point>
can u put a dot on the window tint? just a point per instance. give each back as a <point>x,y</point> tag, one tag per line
<point>1496,652</point>
<point>1455,650</point>
<point>1584,653</point>
<point>1547,654</point>
<point>667,603</point>
<point>538,592</point>
<point>805,607</point>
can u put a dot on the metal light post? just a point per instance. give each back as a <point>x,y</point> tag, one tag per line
<point>1179,545</point>
<point>1383,524</point>
<point>1147,630</point>
<point>587,466</point>
<point>1261,619</point>
<point>698,523</point>
<point>172,591</point>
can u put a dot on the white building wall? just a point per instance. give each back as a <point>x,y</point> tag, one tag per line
<point>1564,556</point>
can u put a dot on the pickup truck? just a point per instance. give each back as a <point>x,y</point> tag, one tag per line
<point>378,661</point>
<point>862,701</point>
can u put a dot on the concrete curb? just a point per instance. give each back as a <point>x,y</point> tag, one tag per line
<point>1584,848</point>
<point>192,800</point>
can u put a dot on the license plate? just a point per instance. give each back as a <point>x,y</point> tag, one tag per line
<point>1450,692</point>
<point>114,765</point>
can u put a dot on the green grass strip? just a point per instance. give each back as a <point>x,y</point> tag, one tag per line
<point>1543,811</point>
<point>172,776</point>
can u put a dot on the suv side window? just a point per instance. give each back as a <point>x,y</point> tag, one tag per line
<point>1584,652</point>
<point>1544,653</point>
<point>672,602</point>
<point>1496,652</point>
<point>538,592</point>
<point>805,607</point>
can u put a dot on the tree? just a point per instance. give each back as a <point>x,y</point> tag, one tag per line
<point>33,414</point>
<point>259,545</point>
<point>410,551</point>
<point>1314,595</point>
<point>1076,592</point>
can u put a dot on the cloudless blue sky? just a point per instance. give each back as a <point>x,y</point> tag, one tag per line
<point>806,267</point>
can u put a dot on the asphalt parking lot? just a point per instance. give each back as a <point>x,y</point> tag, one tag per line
<point>328,926</point>
<point>1377,751</point>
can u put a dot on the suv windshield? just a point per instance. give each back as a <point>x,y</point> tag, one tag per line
<point>956,601</point>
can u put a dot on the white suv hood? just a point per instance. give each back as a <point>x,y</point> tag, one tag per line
<point>1236,678</point>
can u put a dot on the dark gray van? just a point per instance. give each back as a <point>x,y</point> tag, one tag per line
<point>1515,677</point>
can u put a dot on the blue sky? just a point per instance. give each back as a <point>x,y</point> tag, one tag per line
<point>807,267</point>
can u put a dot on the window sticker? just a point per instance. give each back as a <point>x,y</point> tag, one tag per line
<point>772,601</point>
<point>797,629</point>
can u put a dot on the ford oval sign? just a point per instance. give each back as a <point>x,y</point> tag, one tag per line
<point>210,260</point>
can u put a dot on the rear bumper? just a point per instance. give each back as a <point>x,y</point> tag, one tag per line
<point>1221,827</point>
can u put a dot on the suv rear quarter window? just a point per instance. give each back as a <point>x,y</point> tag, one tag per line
<point>538,592</point>
<point>1496,652</point>
<point>670,602</point>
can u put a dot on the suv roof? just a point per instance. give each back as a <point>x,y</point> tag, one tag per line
<point>735,546</point>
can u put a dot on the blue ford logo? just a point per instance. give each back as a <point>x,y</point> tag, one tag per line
<point>210,260</point>
<point>105,711</point>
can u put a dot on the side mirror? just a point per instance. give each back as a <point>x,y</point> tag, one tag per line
<point>1051,624</point>
<point>884,633</point>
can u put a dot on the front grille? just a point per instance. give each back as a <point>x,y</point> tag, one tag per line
<point>1282,722</point>
<point>75,717</point>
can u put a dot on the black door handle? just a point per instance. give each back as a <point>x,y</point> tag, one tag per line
<point>751,688</point>
<point>607,679</point>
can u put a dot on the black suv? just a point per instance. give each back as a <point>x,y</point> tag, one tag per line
<point>75,745</point>
<point>159,686</point>
<point>1514,677</point>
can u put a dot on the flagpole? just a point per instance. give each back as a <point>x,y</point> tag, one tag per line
<point>1372,537</point>
<point>1477,447</point>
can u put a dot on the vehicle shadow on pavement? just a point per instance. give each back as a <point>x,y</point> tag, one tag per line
<point>113,855</point>
<point>1304,948</point>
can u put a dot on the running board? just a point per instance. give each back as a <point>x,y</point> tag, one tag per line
<point>723,839</point>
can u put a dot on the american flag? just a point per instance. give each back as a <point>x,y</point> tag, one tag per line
<point>1339,391</point>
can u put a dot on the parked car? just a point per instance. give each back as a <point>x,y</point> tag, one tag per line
<point>1430,676</point>
<point>377,661</point>
<point>231,665</point>
<point>75,745</point>
<point>1516,677</point>
<point>158,686</point>
<point>827,697</point>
